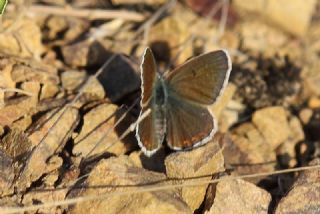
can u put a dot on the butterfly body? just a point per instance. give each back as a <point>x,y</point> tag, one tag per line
<point>178,101</point>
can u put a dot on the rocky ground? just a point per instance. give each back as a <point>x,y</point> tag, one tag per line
<point>70,89</point>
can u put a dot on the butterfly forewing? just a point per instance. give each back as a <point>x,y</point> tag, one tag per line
<point>150,131</point>
<point>188,124</point>
<point>148,76</point>
<point>200,79</point>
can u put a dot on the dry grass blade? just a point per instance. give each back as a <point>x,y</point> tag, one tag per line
<point>150,188</point>
<point>84,13</point>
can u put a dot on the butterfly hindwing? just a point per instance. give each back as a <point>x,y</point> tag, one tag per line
<point>188,124</point>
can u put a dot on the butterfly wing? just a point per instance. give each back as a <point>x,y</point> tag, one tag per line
<point>190,87</point>
<point>150,130</point>
<point>188,124</point>
<point>202,78</point>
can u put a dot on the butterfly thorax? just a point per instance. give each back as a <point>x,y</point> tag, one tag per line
<point>159,102</point>
<point>160,95</point>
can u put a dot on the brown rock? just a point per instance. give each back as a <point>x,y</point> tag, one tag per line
<point>48,91</point>
<point>74,80</point>
<point>114,174</point>
<point>223,101</point>
<point>85,53</point>
<point>47,143</point>
<point>304,197</point>
<point>120,78</point>
<point>273,125</point>
<point>203,161</point>
<point>178,32</point>
<point>305,115</point>
<point>238,196</point>
<point>314,103</point>
<point>260,37</point>
<point>6,174</point>
<point>287,150</point>
<point>98,134</point>
<point>47,196</point>
<point>247,152</point>
<point>24,39</point>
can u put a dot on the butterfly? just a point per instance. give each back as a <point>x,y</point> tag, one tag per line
<point>179,101</point>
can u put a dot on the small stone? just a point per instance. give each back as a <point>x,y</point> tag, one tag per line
<point>6,174</point>
<point>314,102</point>
<point>239,196</point>
<point>85,53</point>
<point>48,91</point>
<point>223,101</point>
<point>272,123</point>
<point>202,161</point>
<point>247,152</point>
<point>115,174</point>
<point>305,115</point>
<point>47,196</point>
<point>286,152</point>
<point>23,40</point>
<point>47,143</point>
<point>98,134</point>
<point>72,80</point>
<point>304,196</point>
<point>119,79</point>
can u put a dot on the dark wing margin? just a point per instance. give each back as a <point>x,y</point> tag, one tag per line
<point>201,79</point>
<point>188,124</point>
<point>147,131</point>
<point>148,76</point>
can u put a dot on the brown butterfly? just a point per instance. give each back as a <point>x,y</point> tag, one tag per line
<point>179,101</point>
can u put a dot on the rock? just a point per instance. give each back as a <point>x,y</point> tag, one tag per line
<point>13,112</point>
<point>281,13</point>
<point>115,174</point>
<point>6,174</point>
<point>239,196</point>
<point>286,152</point>
<point>223,101</point>
<point>247,152</point>
<point>47,196</point>
<point>304,196</point>
<point>120,79</point>
<point>23,39</point>
<point>98,134</point>
<point>305,115</point>
<point>178,32</point>
<point>48,91</point>
<point>260,37</point>
<point>71,80</point>
<point>85,53</point>
<point>273,125</point>
<point>48,140</point>
<point>74,80</point>
<point>314,103</point>
<point>203,161</point>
